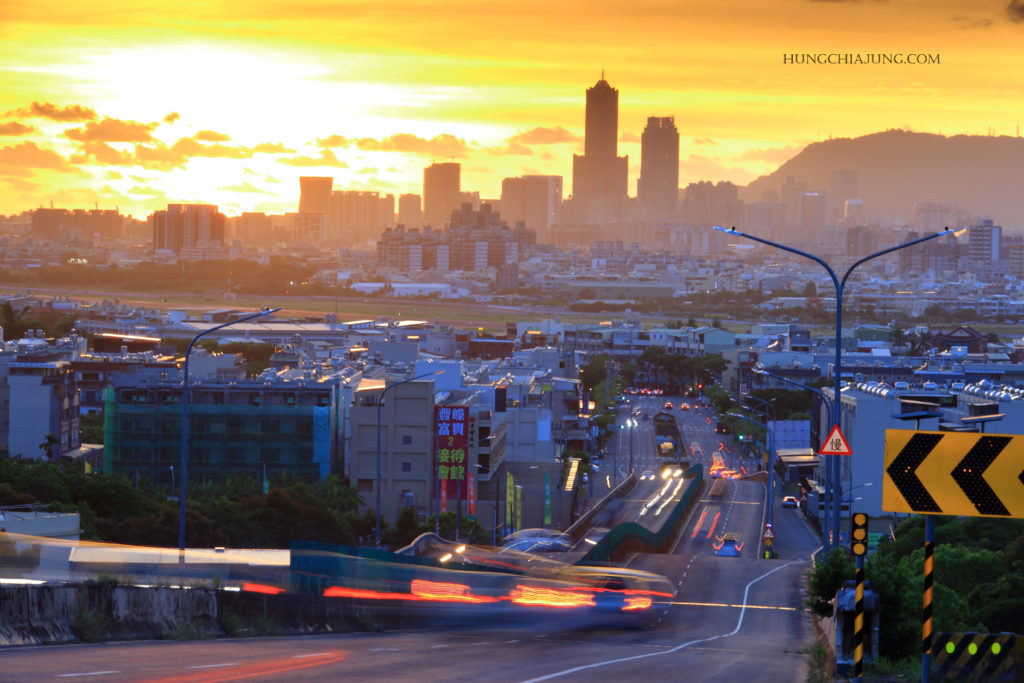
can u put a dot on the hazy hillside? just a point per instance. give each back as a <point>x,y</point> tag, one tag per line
<point>896,169</point>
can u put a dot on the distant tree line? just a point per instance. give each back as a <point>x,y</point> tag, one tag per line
<point>236,513</point>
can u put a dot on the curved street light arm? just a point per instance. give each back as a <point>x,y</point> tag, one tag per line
<point>183,475</point>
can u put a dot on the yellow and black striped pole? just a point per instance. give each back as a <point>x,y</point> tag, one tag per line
<point>926,625</point>
<point>859,546</point>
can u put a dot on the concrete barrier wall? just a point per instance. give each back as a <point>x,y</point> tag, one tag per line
<point>40,614</point>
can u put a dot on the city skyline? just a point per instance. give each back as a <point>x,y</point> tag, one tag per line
<point>120,106</point>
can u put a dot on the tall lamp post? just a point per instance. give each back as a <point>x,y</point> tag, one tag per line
<point>840,284</point>
<point>380,401</point>
<point>183,475</point>
<point>758,369</point>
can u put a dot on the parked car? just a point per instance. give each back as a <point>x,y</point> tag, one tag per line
<point>790,502</point>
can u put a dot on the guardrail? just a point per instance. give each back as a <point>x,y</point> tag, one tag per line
<point>630,535</point>
<point>579,528</point>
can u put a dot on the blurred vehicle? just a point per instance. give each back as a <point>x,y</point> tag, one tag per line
<point>647,475</point>
<point>789,502</point>
<point>668,405</point>
<point>728,545</point>
<point>537,541</point>
<point>721,428</point>
<point>684,406</point>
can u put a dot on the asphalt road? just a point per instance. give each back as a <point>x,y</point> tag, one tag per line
<point>734,618</point>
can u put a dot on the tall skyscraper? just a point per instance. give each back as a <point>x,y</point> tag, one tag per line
<point>314,194</point>
<point>441,192</point>
<point>600,175</point>
<point>658,187</point>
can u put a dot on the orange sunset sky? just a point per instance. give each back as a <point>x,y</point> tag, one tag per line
<point>137,104</point>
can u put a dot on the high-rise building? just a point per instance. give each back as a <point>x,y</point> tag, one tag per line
<point>193,231</point>
<point>532,199</point>
<point>85,224</point>
<point>658,187</point>
<point>441,192</point>
<point>983,243</point>
<point>813,216</point>
<point>315,194</point>
<point>600,176</point>
<point>842,187</point>
<point>410,211</point>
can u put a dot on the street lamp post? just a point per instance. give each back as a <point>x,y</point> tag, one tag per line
<point>828,402</point>
<point>380,401</point>
<point>183,475</point>
<point>839,284</point>
<point>632,426</point>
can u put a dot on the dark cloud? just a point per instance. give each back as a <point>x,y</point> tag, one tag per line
<point>704,141</point>
<point>95,151</point>
<point>112,130</point>
<point>28,155</point>
<point>1015,10</point>
<point>327,158</point>
<point>162,157</point>
<point>629,137</point>
<point>546,136</point>
<point>966,23</point>
<point>72,112</point>
<point>211,136</point>
<point>15,128</point>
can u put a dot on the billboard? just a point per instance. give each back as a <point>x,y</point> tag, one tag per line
<point>451,440</point>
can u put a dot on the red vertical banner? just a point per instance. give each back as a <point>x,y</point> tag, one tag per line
<point>472,495</point>
<point>451,439</point>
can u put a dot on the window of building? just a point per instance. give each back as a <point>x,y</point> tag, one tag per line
<point>407,467</point>
<point>406,440</point>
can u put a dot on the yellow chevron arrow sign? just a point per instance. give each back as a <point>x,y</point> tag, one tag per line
<point>953,473</point>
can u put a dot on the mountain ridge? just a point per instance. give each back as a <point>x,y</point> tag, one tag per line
<point>896,169</point>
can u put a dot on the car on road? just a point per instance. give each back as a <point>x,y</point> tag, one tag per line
<point>729,545</point>
<point>789,502</point>
<point>684,406</point>
<point>647,475</point>
<point>668,405</point>
<point>721,428</point>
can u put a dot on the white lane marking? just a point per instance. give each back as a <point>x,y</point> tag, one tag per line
<point>516,640</point>
<point>434,647</point>
<point>311,654</point>
<point>677,648</point>
<point>87,673</point>
<point>482,643</point>
<point>213,666</point>
<point>384,649</point>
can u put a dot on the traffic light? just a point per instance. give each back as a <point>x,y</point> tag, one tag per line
<point>859,534</point>
<point>740,437</point>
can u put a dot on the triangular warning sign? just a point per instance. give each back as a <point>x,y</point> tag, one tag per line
<point>768,533</point>
<point>835,443</point>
